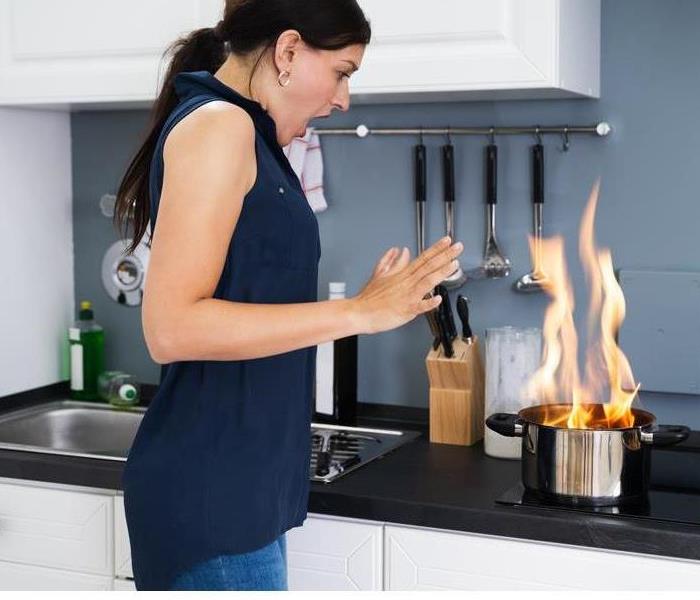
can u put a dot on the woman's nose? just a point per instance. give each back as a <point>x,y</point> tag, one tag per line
<point>342,100</point>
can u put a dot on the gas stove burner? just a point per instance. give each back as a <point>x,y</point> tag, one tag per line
<point>340,449</point>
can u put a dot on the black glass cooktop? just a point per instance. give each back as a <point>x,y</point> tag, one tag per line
<point>661,505</point>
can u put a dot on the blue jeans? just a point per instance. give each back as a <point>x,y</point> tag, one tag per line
<point>261,569</point>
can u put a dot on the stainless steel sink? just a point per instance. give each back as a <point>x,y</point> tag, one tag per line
<point>72,427</point>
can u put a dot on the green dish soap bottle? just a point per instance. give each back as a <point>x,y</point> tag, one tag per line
<point>86,340</point>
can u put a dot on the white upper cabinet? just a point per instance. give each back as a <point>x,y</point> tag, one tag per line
<point>476,49</point>
<point>82,53</point>
<point>61,53</point>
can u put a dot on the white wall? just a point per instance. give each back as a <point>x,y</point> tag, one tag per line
<point>36,247</point>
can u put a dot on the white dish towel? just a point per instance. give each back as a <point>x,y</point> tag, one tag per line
<point>304,155</point>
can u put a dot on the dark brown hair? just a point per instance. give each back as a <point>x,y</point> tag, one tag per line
<point>247,26</point>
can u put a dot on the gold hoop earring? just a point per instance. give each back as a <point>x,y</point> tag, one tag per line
<point>279,78</point>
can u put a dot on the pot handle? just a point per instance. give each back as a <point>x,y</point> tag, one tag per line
<point>506,424</point>
<point>666,435</point>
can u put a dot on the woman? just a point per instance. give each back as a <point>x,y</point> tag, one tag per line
<point>219,468</point>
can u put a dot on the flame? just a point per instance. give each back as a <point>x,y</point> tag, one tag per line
<point>557,380</point>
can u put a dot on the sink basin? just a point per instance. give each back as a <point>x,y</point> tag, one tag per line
<point>72,427</point>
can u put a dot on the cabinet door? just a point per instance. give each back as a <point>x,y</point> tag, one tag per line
<point>70,51</point>
<point>16,577</point>
<point>428,559</point>
<point>479,46</point>
<point>334,553</point>
<point>57,528</point>
<point>122,548</point>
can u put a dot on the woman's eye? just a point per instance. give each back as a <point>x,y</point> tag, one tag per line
<point>342,74</point>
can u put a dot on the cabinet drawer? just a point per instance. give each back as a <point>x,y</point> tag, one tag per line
<point>56,528</point>
<point>16,577</point>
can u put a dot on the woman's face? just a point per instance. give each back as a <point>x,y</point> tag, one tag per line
<point>319,82</point>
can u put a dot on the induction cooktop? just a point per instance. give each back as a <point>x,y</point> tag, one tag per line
<point>661,505</point>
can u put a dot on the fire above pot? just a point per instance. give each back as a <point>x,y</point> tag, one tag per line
<point>607,370</point>
<point>575,448</point>
<point>594,467</point>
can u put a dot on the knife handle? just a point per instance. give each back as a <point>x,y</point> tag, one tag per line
<point>444,335</point>
<point>434,329</point>
<point>446,308</point>
<point>463,312</point>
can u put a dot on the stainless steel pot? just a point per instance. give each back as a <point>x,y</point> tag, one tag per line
<point>590,467</point>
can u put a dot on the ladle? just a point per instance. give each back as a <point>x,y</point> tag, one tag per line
<point>534,280</point>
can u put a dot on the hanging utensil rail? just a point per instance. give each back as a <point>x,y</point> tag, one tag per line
<point>600,129</point>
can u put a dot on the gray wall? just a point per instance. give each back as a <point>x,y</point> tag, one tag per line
<point>649,169</point>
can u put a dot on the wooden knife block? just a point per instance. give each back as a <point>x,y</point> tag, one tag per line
<point>456,394</point>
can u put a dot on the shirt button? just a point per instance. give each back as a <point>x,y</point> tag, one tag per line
<point>281,190</point>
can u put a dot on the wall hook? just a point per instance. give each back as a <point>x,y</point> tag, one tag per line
<point>538,135</point>
<point>565,139</point>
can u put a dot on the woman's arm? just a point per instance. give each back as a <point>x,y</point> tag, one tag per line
<point>209,159</point>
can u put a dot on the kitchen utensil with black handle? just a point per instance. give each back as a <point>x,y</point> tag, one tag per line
<point>535,279</point>
<point>463,312</point>
<point>457,278</point>
<point>444,332</point>
<point>419,182</point>
<point>446,307</point>
<point>494,263</point>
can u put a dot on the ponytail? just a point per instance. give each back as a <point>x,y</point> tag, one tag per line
<point>202,49</point>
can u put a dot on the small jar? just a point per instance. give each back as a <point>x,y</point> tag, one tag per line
<point>513,354</point>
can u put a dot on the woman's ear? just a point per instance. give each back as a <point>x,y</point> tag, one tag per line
<point>286,49</point>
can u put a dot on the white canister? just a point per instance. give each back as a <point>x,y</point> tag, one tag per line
<point>513,354</point>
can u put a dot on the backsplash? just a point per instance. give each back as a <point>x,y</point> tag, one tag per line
<point>648,211</point>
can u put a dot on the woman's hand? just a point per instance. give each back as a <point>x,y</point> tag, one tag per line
<point>398,290</point>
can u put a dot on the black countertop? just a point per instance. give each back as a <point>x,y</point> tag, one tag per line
<point>433,485</point>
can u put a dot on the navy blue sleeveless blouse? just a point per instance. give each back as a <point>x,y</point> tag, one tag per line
<point>220,462</point>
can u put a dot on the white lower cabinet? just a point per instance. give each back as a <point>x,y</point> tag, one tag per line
<point>428,559</point>
<point>325,553</point>
<point>335,553</point>
<point>60,537</point>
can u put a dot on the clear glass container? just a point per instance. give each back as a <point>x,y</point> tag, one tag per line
<point>513,354</point>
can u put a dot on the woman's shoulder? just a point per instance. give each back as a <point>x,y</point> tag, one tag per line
<point>218,121</point>
<point>218,127</point>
